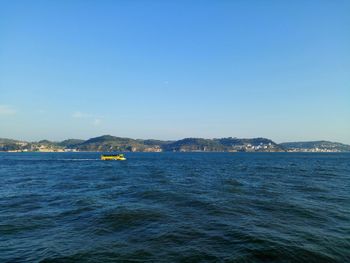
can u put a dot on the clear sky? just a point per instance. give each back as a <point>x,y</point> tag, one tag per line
<point>174,69</point>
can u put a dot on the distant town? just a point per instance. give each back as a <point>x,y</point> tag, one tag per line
<point>108,143</point>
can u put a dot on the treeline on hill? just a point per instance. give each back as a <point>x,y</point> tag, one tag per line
<point>111,143</point>
<point>16,145</point>
<point>8,145</point>
<point>108,143</point>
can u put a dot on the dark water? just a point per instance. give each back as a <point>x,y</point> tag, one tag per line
<point>175,207</point>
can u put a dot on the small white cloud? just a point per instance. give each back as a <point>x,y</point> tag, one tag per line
<point>79,115</point>
<point>94,119</point>
<point>7,110</point>
<point>96,122</point>
<point>166,82</point>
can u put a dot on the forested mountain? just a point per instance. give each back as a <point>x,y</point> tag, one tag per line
<point>108,143</point>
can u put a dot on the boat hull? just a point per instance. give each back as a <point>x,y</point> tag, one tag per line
<point>112,158</point>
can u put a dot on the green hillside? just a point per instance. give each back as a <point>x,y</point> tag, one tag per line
<point>108,143</point>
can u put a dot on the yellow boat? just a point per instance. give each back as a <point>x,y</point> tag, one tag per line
<point>113,157</point>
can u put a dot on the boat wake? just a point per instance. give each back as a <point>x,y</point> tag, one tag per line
<point>74,159</point>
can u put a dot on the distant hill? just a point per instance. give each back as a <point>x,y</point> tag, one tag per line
<point>108,143</point>
<point>316,146</point>
<point>10,145</point>
<point>4,141</point>
<point>193,144</point>
<point>231,142</point>
<point>70,143</point>
<point>111,143</point>
<point>46,142</point>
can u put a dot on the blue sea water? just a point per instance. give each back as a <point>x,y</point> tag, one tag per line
<point>175,207</point>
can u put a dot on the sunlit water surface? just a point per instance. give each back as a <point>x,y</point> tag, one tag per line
<point>175,207</point>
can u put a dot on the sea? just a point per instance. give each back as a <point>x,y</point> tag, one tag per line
<point>175,207</point>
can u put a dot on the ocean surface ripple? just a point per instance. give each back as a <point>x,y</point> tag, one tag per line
<point>175,207</point>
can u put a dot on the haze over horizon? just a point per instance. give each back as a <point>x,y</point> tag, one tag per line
<point>175,69</point>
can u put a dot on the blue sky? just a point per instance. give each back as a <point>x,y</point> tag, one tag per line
<point>174,69</point>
